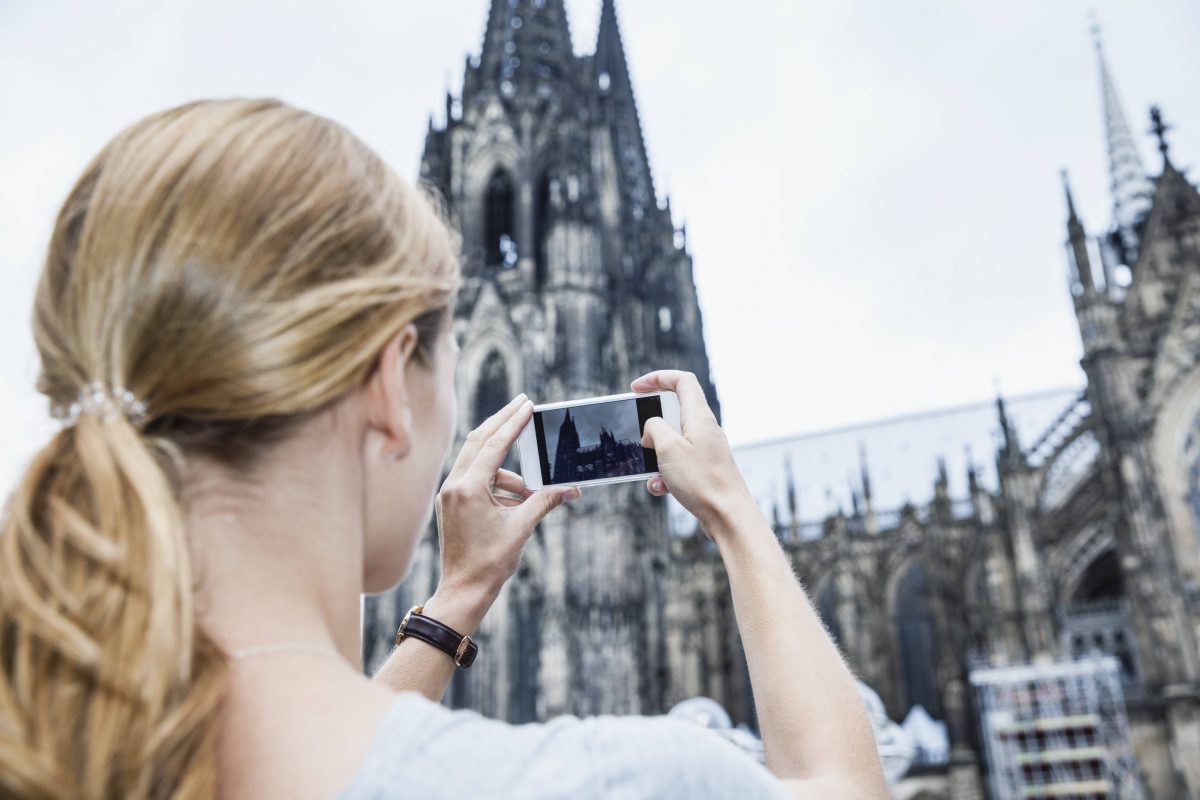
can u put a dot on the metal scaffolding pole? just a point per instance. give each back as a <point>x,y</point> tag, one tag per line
<point>1056,731</point>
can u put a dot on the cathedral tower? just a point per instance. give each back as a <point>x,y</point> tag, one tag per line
<point>576,282</point>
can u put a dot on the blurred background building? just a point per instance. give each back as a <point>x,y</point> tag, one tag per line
<point>1077,538</point>
<point>1074,536</point>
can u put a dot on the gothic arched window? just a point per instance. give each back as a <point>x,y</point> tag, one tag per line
<point>499,221</point>
<point>827,608</point>
<point>980,599</point>
<point>918,643</point>
<point>1102,580</point>
<point>1097,616</point>
<point>541,226</point>
<point>491,390</point>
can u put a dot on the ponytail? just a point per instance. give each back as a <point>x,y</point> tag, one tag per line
<point>107,686</point>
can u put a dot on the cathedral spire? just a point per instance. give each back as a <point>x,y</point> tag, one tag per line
<point>527,46</point>
<point>1131,188</point>
<point>619,110</point>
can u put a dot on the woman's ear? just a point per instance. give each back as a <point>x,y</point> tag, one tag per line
<point>389,399</point>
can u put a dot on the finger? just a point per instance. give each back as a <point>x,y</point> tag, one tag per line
<point>543,501</point>
<point>507,501</point>
<point>493,452</point>
<point>477,437</point>
<point>659,436</point>
<point>512,482</point>
<point>656,486</point>
<point>692,401</point>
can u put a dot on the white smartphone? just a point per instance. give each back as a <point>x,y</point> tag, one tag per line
<point>593,441</point>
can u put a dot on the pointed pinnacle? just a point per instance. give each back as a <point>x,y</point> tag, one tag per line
<point>1071,215</point>
<point>1159,129</point>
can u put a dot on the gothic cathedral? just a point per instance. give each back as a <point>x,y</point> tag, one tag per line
<point>576,282</point>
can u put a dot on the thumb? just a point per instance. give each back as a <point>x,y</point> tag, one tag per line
<point>543,501</point>
<point>657,434</point>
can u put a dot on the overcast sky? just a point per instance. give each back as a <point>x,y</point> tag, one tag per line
<point>871,187</point>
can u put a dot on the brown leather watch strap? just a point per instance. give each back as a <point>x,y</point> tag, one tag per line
<point>443,637</point>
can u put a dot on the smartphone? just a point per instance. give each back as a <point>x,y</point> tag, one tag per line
<point>593,441</point>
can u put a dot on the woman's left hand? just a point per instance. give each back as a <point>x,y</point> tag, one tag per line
<point>482,533</point>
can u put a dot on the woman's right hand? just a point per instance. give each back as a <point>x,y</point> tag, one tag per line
<point>697,466</point>
<point>481,531</point>
<point>799,680</point>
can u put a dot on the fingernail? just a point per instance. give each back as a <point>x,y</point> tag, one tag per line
<point>572,494</point>
<point>658,484</point>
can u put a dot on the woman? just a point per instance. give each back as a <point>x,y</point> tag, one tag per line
<point>244,324</point>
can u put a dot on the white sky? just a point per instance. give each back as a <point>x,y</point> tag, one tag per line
<point>871,187</point>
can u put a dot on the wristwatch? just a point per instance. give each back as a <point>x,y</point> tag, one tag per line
<point>443,637</point>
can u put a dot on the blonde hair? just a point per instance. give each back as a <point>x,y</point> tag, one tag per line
<point>238,266</point>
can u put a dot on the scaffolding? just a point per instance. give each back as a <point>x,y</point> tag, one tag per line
<point>1057,731</point>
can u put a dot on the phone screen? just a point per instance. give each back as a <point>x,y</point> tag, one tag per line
<point>593,441</point>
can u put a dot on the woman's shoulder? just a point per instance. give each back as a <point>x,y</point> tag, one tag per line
<point>423,749</point>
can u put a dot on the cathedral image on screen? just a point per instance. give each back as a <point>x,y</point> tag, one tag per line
<point>593,442</point>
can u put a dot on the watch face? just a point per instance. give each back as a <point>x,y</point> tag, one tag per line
<point>400,633</point>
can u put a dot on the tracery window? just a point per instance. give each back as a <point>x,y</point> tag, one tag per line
<point>1096,618</point>
<point>917,638</point>
<point>491,392</point>
<point>500,238</point>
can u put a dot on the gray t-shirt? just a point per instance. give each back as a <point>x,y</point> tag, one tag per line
<point>425,750</point>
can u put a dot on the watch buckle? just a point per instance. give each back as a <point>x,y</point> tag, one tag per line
<point>462,648</point>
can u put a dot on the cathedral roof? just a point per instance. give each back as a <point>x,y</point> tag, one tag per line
<point>902,457</point>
